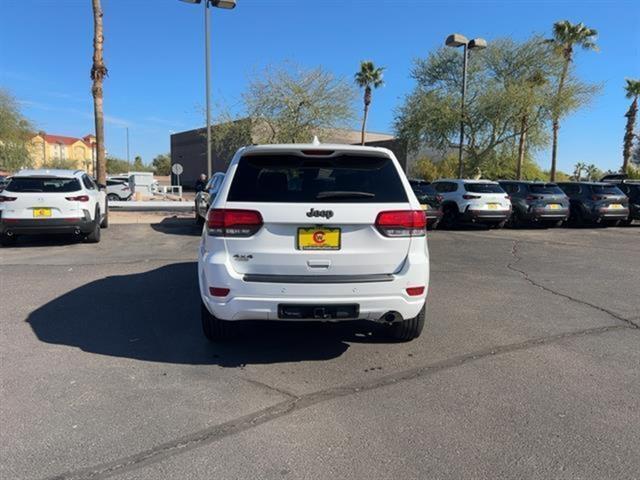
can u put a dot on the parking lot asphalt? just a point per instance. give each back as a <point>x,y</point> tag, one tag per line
<point>529,367</point>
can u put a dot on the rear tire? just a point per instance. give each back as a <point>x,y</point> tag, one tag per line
<point>113,197</point>
<point>449,218</point>
<point>7,241</point>
<point>214,329</point>
<point>410,329</point>
<point>199,219</point>
<point>498,226</point>
<point>94,236</point>
<point>105,220</point>
<point>557,224</point>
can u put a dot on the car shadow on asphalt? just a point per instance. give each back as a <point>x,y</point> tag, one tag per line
<point>155,316</point>
<point>178,226</point>
<point>58,240</point>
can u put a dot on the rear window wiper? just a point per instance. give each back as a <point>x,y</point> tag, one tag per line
<point>338,194</point>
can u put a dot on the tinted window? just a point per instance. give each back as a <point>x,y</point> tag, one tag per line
<point>483,188</point>
<point>88,183</point>
<point>548,188</point>
<point>43,184</point>
<point>423,192</point>
<point>342,179</point>
<point>111,183</point>
<point>632,190</point>
<point>606,190</point>
<point>570,188</point>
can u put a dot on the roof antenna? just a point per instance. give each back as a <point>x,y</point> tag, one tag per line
<point>315,141</point>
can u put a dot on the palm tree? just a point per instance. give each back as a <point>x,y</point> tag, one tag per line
<point>98,72</point>
<point>592,172</point>
<point>369,76</point>
<point>577,170</point>
<point>633,91</point>
<point>566,36</point>
<point>535,80</point>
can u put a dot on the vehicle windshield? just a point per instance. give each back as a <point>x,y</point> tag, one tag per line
<point>290,179</point>
<point>545,188</point>
<point>483,188</point>
<point>43,185</point>
<point>606,190</point>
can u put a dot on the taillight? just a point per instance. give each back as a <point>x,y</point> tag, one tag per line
<point>223,222</point>
<point>595,198</point>
<point>79,198</point>
<point>470,197</point>
<point>7,199</point>
<point>218,291</point>
<point>534,197</point>
<point>415,291</point>
<point>402,223</point>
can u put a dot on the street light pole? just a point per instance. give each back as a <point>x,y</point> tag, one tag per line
<point>465,53</point>
<point>228,5</point>
<point>207,89</point>
<point>457,40</point>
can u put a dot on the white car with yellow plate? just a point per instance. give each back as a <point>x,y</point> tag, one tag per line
<point>314,232</point>
<point>52,201</point>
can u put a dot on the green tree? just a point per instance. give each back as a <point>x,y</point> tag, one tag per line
<point>369,76</point>
<point>633,91</point>
<point>577,171</point>
<point>138,164</point>
<point>117,165</point>
<point>507,98</point>
<point>15,134</point>
<point>566,36</point>
<point>162,164</point>
<point>293,104</point>
<point>593,173</point>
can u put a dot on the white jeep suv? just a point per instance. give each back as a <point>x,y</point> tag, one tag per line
<point>478,201</point>
<point>52,201</point>
<point>314,232</point>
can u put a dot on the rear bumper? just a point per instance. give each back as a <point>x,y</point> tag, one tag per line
<point>14,226</point>
<point>488,216</point>
<point>598,214</point>
<point>260,300</point>
<point>537,214</point>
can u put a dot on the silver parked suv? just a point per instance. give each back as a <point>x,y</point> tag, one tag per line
<point>478,201</point>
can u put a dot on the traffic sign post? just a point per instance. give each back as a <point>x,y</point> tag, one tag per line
<point>177,169</point>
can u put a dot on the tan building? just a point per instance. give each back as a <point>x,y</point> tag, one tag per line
<point>58,150</point>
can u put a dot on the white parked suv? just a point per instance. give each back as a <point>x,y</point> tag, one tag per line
<point>314,232</point>
<point>52,201</point>
<point>478,201</point>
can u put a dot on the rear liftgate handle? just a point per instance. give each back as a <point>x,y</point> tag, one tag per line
<point>319,264</point>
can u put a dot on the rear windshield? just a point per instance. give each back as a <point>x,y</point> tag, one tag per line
<point>548,188</point>
<point>423,192</point>
<point>43,185</point>
<point>483,188</point>
<point>606,190</point>
<point>341,179</point>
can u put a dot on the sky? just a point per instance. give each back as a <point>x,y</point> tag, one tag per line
<point>155,55</point>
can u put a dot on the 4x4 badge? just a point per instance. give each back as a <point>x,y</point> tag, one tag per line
<point>320,213</point>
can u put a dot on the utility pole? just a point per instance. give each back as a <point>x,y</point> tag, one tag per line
<point>128,159</point>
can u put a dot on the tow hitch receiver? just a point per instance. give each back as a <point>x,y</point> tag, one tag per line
<point>318,312</point>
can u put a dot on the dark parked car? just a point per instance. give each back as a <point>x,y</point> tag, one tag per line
<point>430,201</point>
<point>596,202</point>
<point>536,202</point>
<point>631,188</point>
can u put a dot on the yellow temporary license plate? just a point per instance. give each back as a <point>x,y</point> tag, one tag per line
<point>615,205</point>
<point>318,238</point>
<point>493,206</point>
<point>41,212</point>
<point>554,206</point>
<point>424,207</point>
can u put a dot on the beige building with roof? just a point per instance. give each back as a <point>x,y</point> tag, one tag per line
<point>58,150</point>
